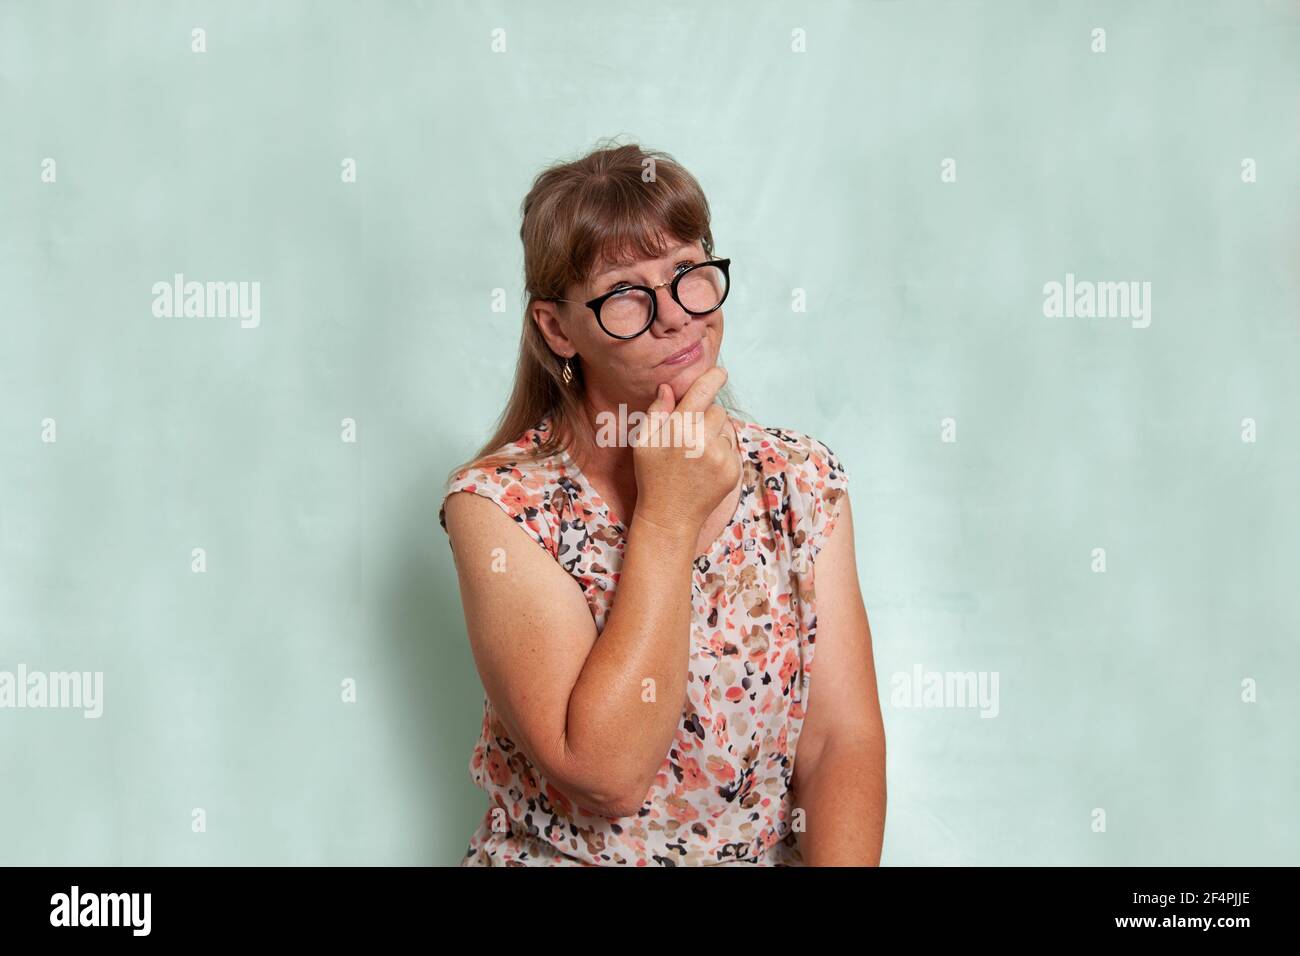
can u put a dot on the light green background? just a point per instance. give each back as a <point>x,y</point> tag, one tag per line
<point>1118,691</point>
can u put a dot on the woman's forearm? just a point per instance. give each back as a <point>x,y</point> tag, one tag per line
<point>619,726</point>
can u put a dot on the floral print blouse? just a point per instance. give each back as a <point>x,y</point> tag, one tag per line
<point>723,793</point>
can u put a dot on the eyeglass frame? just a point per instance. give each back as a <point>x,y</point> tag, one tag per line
<point>598,301</point>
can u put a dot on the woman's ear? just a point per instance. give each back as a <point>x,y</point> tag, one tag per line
<point>550,322</point>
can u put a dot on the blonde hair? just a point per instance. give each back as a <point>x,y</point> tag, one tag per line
<point>599,208</point>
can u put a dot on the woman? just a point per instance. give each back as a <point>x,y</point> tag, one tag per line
<point>648,667</point>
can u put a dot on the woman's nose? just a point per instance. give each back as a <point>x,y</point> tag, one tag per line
<point>668,313</point>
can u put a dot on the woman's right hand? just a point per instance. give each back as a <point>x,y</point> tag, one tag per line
<point>682,475</point>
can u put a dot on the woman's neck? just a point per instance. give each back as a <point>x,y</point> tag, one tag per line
<point>609,430</point>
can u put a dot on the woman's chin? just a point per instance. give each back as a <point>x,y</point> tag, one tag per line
<point>681,379</point>
<point>681,382</point>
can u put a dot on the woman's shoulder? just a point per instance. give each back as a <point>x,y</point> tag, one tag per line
<point>520,479</point>
<point>519,460</point>
<point>803,479</point>
<point>793,451</point>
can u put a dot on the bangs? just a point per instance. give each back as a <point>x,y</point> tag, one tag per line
<point>617,223</point>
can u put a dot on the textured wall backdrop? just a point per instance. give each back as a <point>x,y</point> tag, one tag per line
<point>1098,512</point>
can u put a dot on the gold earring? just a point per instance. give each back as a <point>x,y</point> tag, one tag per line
<point>567,373</point>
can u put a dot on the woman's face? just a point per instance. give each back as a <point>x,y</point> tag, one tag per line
<point>630,371</point>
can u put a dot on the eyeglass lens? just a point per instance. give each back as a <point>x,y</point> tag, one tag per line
<point>700,290</point>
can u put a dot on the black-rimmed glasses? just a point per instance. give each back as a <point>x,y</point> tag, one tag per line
<point>628,310</point>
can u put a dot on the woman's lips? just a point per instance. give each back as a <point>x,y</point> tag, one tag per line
<point>685,356</point>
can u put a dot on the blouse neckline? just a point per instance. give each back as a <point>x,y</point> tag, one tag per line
<point>742,500</point>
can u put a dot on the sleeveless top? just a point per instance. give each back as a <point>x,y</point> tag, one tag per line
<point>722,795</point>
